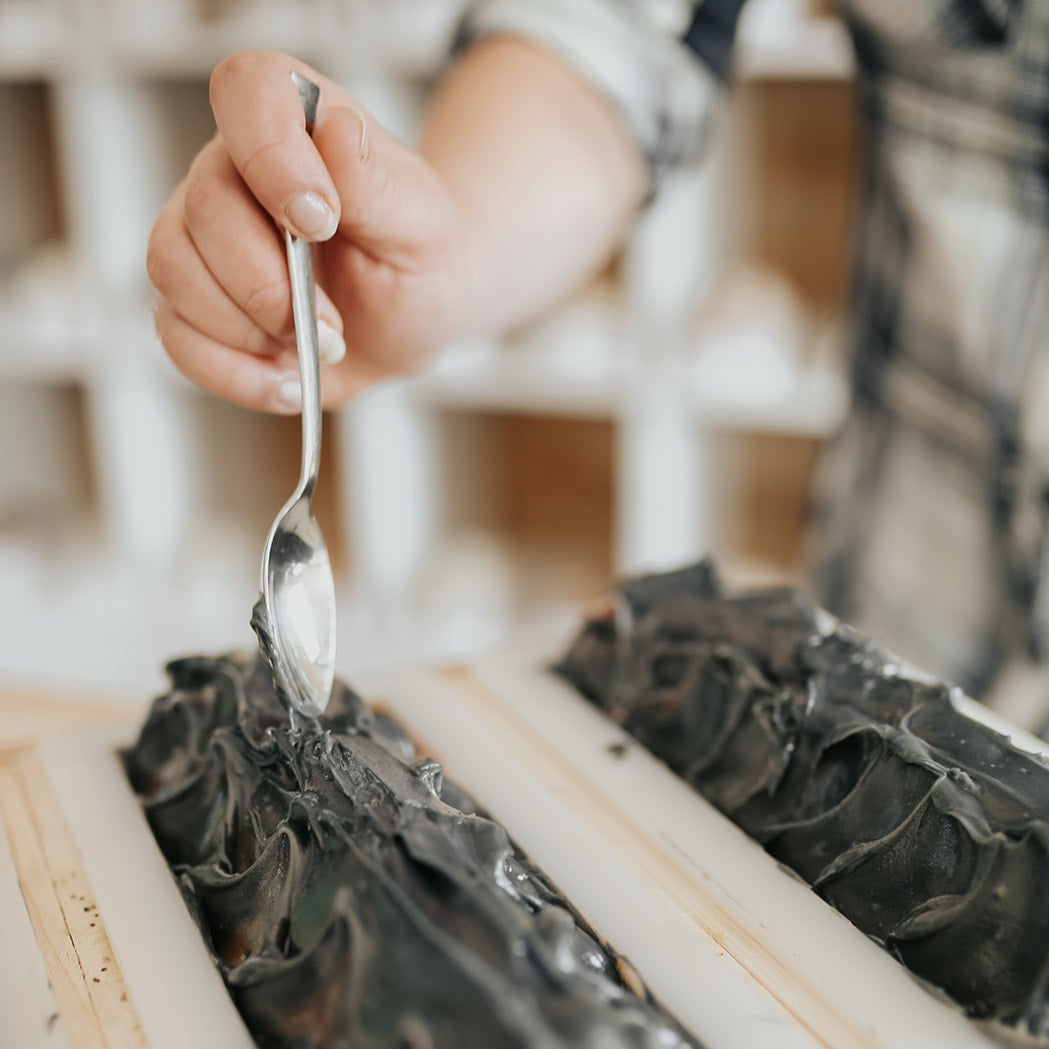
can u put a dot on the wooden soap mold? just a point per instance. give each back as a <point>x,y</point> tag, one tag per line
<point>741,952</point>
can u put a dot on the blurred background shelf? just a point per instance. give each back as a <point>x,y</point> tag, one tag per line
<point>32,38</point>
<point>675,407</point>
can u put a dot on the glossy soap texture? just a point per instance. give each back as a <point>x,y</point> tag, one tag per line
<point>926,829</point>
<point>351,896</point>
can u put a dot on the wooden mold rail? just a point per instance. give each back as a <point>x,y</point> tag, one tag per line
<point>87,987</point>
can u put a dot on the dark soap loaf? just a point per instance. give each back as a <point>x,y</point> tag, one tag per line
<point>925,828</point>
<point>353,898</point>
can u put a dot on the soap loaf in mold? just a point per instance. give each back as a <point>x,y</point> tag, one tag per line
<point>924,827</point>
<point>355,899</point>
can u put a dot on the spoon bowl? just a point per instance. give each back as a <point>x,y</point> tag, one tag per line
<point>298,590</point>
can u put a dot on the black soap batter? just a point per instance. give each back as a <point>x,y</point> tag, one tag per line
<point>352,897</point>
<point>928,830</point>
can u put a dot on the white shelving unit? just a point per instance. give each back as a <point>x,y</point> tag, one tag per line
<point>133,508</point>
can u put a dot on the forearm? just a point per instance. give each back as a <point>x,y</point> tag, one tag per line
<point>543,171</point>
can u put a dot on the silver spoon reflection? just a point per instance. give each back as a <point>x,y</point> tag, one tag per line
<point>298,588</point>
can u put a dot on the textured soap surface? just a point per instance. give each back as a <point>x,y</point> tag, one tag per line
<point>925,828</point>
<point>355,899</point>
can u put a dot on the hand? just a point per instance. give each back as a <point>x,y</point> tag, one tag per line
<point>393,280</point>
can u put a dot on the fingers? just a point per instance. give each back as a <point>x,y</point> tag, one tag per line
<point>239,245</point>
<point>269,384</point>
<point>181,276</point>
<point>220,264</point>
<point>260,117</point>
<point>266,384</point>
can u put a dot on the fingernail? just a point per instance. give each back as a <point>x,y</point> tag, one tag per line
<point>289,394</point>
<point>311,217</point>
<point>331,344</point>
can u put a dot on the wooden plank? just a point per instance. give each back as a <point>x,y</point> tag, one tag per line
<point>178,992</point>
<point>27,1003</point>
<point>87,983</point>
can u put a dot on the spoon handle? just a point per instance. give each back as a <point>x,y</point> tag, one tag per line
<point>304,310</point>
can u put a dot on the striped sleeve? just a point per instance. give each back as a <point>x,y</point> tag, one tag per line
<point>662,63</point>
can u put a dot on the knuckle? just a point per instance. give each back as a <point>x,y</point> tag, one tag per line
<point>252,339</point>
<point>200,193</point>
<point>266,156</point>
<point>207,202</point>
<point>269,304</point>
<point>211,187</point>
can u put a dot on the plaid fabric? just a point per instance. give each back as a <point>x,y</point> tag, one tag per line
<point>933,509</point>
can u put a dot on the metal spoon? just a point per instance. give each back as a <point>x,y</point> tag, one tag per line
<point>296,624</point>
